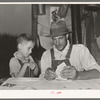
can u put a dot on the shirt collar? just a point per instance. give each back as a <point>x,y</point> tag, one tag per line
<point>18,56</point>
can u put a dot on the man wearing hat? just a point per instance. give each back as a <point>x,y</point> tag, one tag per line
<point>66,61</point>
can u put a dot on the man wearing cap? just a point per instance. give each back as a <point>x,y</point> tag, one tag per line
<point>66,60</point>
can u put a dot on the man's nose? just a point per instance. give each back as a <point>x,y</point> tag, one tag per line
<point>57,42</point>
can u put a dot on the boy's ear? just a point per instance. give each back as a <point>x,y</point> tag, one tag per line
<point>67,35</point>
<point>19,46</point>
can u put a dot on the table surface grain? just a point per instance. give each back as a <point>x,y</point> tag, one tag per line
<point>42,84</point>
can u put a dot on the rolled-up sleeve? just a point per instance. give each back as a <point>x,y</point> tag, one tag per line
<point>45,61</point>
<point>14,66</point>
<point>88,60</point>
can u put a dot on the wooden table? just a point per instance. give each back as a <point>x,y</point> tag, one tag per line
<point>38,84</point>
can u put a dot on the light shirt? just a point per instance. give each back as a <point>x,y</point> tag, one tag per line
<point>80,58</point>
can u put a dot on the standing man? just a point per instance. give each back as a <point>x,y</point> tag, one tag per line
<point>76,60</point>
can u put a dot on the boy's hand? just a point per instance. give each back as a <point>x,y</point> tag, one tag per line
<point>69,72</point>
<point>50,74</point>
<point>32,65</point>
<point>26,65</point>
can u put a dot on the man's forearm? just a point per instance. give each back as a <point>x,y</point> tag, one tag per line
<point>91,74</point>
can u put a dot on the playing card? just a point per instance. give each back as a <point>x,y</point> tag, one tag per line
<point>59,69</point>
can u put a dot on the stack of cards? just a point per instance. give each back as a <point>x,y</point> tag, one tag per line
<point>58,71</point>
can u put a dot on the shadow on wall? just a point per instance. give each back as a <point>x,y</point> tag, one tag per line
<point>7,48</point>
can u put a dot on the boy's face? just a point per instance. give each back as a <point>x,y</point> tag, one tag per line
<point>26,48</point>
<point>60,42</point>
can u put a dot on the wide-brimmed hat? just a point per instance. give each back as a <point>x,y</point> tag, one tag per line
<point>58,28</point>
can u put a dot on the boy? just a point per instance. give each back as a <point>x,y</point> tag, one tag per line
<point>22,64</point>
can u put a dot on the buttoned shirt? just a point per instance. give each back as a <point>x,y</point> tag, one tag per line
<point>80,58</point>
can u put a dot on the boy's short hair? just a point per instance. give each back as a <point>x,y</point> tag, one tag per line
<point>24,37</point>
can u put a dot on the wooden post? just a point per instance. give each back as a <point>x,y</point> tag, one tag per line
<point>89,31</point>
<point>76,24</point>
<point>34,21</point>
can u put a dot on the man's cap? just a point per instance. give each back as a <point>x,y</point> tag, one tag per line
<point>58,28</point>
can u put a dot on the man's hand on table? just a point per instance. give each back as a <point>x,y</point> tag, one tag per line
<point>69,72</point>
<point>50,74</point>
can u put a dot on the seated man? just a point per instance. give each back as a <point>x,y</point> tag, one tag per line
<point>66,60</point>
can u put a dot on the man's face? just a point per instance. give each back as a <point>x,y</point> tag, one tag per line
<point>60,42</point>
